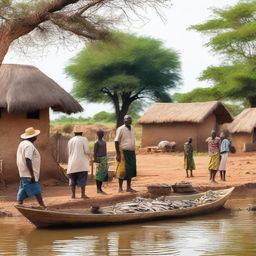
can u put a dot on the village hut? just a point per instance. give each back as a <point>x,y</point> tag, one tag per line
<point>243,130</point>
<point>26,94</point>
<point>178,121</point>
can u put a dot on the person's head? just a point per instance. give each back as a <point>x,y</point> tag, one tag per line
<point>189,140</point>
<point>78,130</point>
<point>30,134</point>
<point>100,133</point>
<point>127,120</point>
<point>224,134</point>
<point>213,134</point>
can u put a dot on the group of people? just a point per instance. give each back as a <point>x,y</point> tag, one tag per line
<point>28,161</point>
<point>218,149</point>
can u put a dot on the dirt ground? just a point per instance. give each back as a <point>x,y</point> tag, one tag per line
<point>152,168</point>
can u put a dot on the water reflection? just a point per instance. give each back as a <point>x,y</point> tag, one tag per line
<point>222,233</point>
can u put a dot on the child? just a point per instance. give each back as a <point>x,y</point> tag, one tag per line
<point>101,160</point>
<point>189,163</point>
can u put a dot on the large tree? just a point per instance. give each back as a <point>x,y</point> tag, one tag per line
<point>232,34</point>
<point>123,71</point>
<point>89,19</point>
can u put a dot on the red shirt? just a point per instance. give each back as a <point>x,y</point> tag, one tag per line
<point>213,145</point>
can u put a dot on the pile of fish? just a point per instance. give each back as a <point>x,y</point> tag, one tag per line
<point>161,204</point>
<point>209,196</point>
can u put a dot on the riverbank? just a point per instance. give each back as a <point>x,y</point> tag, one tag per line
<point>152,168</point>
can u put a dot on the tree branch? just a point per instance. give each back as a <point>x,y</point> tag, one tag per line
<point>88,6</point>
<point>78,26</point>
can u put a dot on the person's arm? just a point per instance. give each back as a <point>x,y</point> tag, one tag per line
<point>95,152</point>
<point>28,154</point>
<point>68,148</point>
<point>86,147</point>
<point>185,150</point>
<point>30,168</point>
<point>118,154</point>
<point>117,144</point>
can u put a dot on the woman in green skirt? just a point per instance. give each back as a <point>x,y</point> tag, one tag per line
<point>101,160</point>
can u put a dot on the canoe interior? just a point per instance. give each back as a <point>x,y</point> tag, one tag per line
<point>83,217</point>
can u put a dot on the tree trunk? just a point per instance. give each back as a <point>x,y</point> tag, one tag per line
<point>10,33</point>
<point>122,112</point>
<point>252,101</point>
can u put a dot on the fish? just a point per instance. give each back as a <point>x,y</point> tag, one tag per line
<point>160,204</point>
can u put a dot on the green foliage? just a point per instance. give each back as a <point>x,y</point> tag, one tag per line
<point>128,64</point>
<point>232,33</point>
<point>67,128</point>
<point>210,94</point>
<point>235,108</point>
<point>105,117</point>
<point>233,30</point>
<point>101,117</point>
<point>199,95</point>
<point>71,120</point>
<point>124,70</point>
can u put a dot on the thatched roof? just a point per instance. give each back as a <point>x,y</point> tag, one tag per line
<point>244,122</point>
<point>185,112</point>
<point>25,88</point>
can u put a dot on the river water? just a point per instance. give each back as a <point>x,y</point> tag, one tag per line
<point>229,232</point>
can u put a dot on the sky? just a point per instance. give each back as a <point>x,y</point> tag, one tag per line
<point>194,56</point>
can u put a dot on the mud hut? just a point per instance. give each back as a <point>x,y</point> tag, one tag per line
<point>26,94</point>
<point>243,130</point>
<point>178,121</point>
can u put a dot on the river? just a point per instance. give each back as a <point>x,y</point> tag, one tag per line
<point>229,232</point>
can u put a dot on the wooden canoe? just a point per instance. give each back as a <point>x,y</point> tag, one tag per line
<point>83,217</point>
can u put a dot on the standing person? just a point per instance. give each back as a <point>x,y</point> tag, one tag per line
<point>101,160</point>
<point>224,150</point>
<point>125,154</point>
<point>189,162</point>
<point>214,154</point>
<point>28,163</point>
<point>78,162</point>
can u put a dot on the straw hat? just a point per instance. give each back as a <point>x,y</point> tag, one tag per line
<point>29,133</point>
<point>77,129</point>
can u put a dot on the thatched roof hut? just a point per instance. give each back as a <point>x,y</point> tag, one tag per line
<point>243,130</point>
<point>244,122</point>
<point>26,94</point>
<point>195,112</point>
<point>25,88</point>
<point>178,121</point>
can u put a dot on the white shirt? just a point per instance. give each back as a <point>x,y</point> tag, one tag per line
<point>126,138</point>
<point>78,155</point>
<point>26,149</point>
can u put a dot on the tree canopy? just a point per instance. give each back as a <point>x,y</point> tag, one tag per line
<point>123,71</point>
<point>232,34</point>
<point>60,19</point>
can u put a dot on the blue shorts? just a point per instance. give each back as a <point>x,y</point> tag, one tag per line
<point>78,179</point>
<point>28,189</point>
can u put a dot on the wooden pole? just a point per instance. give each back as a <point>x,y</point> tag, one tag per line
<point>2,173</point>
